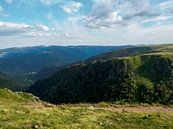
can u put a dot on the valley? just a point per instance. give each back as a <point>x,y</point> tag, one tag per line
<point>86,64</point>
<point>28,64</point>
<point>114,90</point>
<point>143,77</point>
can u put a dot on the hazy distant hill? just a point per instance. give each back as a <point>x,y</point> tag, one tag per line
<point>143,77</point>
<point>26,64</point>
<point>132,51</point>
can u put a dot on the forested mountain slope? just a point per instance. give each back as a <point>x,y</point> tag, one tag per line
<point>25,64</point>
<point>145,78</point>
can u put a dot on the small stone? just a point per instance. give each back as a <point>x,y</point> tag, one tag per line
<point>36,126</point>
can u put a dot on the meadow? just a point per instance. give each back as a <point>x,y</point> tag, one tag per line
<point>24,111</point>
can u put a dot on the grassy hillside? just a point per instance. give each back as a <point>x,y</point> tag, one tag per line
<point>8,82</point>
<point>18,110</point>
<point>16,97</point>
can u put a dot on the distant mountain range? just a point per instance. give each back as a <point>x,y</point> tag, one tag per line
<point>132,51</point>
<point>28,64</point>
<point>142,74</point>
<point>136,74</point>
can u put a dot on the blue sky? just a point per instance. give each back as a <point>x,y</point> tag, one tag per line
<point>85,22</point>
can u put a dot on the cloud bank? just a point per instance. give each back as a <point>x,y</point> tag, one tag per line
<point>111,22</point>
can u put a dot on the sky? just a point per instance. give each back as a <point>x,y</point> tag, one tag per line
<point>85,22</point>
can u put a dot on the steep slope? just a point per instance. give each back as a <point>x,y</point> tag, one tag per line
<point>7,96</point>
<point>24,63</point>
<point>142,78</point>
<point>8,82</point>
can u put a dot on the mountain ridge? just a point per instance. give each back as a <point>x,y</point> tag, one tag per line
<point>144,77</point>
<point>25,64</point>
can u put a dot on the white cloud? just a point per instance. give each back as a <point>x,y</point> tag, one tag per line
<point>157,19</point>
<point>133,34</point>
<point>13,25</point>
<point>72,7</point>
<point>50,16</point>
<point>115,22</point>
<point>2,13</point>
<point>166,5</point>
<point>157,34</point>
<point>42,27</point>
<point>110,20</point>
<point>102,15</point>
<point>110,13</point>
<point>1,9</point>
<point>50,2</point>
<point>47,2</point>
<point>8,1</point>
<point>141,9</point>
<point>10,29</point>
<point>15,29</point>
<point>73,32</point>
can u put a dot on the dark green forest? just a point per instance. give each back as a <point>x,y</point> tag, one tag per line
<point>145,78</point>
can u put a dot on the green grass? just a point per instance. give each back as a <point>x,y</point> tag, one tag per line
<point>29,113</point>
